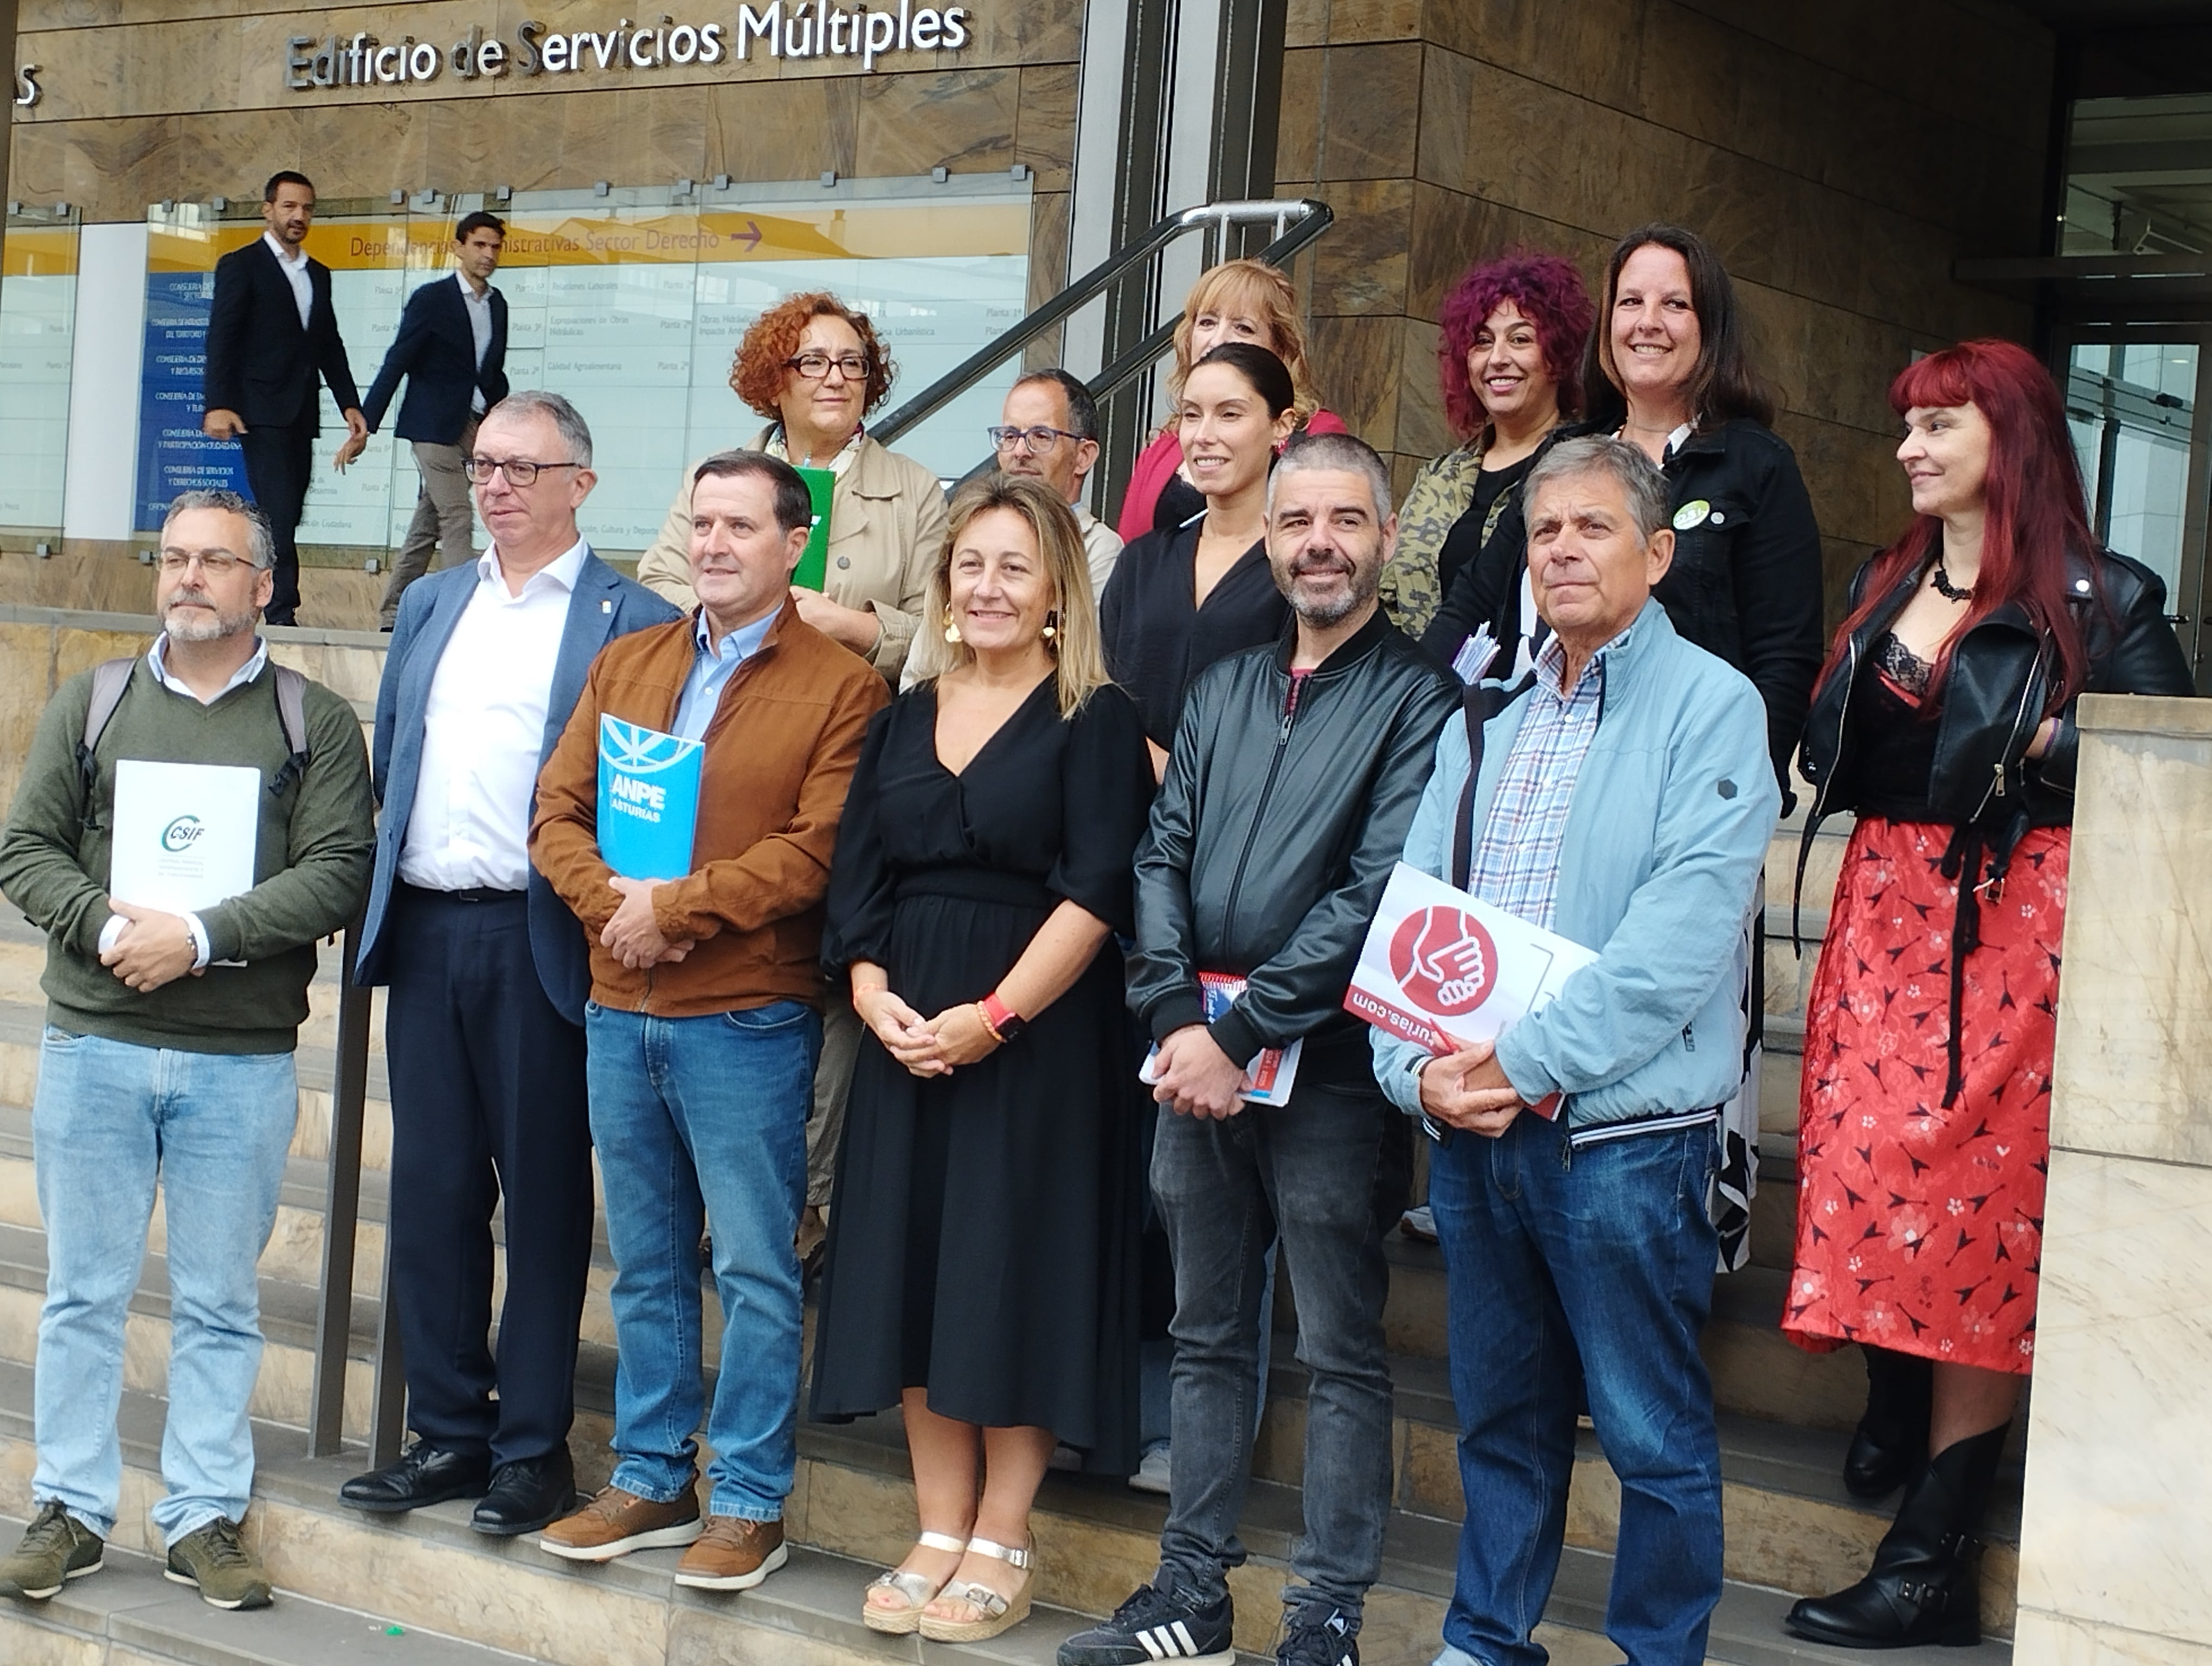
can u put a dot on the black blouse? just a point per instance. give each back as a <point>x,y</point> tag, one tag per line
<point>1896,719</point>
<point>1157,640</point>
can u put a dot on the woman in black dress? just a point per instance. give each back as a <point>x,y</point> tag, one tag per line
<point>1180,600</point>
<point>982,1263</point>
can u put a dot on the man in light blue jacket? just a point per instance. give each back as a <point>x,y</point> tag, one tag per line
<point>1624,800</point>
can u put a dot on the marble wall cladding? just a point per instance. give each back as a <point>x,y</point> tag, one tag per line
<point>2136,996</point>
<point>2118,1510</point>
<point>1837,183</point>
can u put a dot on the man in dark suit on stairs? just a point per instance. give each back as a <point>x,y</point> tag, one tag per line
<point>452,348</point>
<point>272,334</point>
<point>489,972</point>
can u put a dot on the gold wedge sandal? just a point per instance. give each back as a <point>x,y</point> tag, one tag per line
<point>997,1613</point>
<point>914,1590</point>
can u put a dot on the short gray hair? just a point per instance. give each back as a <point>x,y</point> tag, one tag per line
<point>1308,453</point>
<point>260,542</point>
<point>565,418</point>
<point>1626,465</point>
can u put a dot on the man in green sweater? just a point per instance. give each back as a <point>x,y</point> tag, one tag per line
<point>167,1053</point>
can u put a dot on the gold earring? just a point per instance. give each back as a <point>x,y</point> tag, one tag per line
<point>952,630</point>
<point>1051,626</point>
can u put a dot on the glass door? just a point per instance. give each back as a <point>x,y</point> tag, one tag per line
<point>2141,422</point>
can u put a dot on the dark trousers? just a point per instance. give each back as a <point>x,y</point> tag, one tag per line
<point>1326,1176</point>
<point>487,1104</point>
<point>279,464</point>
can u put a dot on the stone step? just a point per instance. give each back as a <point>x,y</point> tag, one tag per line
<point>1793,1525</point>
<point>853,1512</point>
<point>127,1614</point>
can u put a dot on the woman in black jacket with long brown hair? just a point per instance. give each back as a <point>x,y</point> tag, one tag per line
<point>1945,719</point>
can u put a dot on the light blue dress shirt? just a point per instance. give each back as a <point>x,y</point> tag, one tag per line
<point>711,670</point>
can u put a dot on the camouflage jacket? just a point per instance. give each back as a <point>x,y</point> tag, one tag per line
<point>1439,495</point>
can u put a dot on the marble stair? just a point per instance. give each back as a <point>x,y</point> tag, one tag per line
<point>426,1588</point>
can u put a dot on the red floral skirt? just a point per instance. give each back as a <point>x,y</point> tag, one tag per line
<point>1920,1229</point>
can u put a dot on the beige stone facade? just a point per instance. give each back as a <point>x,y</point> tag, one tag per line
<point>2118,1512</point>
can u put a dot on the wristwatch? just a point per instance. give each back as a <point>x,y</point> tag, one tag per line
<point>1002,1021</point>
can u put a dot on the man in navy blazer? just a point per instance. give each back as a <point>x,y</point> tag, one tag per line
<point>488,973</point>
<point>272,334</point>
<point>452,348</point>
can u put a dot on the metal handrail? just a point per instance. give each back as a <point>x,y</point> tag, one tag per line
<point>1297,222</point>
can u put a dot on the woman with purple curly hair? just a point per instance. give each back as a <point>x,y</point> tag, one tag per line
<point>1513,334</point>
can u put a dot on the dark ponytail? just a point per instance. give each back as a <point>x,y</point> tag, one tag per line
<point>1269,376</point>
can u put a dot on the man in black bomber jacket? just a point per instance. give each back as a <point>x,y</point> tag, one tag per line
<point>1295,772</point>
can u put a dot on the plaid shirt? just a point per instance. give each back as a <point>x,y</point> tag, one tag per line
<point>1516,863</point>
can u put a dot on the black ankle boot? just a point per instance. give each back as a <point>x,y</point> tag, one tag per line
<point>1892,1441</point>
<point>1924,1585</point>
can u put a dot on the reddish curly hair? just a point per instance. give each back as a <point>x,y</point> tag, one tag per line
<point>1548,290</point>
<point>757,375</point>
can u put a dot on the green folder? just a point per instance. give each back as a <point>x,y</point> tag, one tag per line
<point>813,568</point>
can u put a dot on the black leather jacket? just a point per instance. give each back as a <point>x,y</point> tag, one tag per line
<point>1745,583</point>
<point>1998,688</point>
<point>1274,834</point>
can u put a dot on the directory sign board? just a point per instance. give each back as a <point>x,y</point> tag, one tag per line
<point>38,316</point>
<point>635,314</point>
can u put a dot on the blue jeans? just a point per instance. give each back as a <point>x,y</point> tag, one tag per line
<point>1315,1175</point>
<point>703,1121</point>
<point>110,1121</point>
<point>1596,1263</point>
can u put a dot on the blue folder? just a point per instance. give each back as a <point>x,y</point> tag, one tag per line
<point>648,800</point>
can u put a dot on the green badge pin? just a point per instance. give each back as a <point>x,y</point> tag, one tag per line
<point>1691,513</point>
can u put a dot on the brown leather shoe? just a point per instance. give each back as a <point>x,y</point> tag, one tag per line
<point>732,1554</point>
<point>616,1522</point>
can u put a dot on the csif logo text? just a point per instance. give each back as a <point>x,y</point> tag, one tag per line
<point>809,29</point>
<point>182,834</point>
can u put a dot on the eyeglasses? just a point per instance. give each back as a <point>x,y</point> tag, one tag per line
<point>215,564</point>
<point>1037,439</point>
<point>519,470</point>
<point>816,366</point>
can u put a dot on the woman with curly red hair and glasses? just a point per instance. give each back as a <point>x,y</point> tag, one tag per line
<point>1944,718</point>
<point>1513,334</point>
<point>812,366</point>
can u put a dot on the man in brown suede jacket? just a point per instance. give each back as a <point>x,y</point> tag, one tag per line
<point>705,1022</point>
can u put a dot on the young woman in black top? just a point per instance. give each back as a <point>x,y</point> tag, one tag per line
<point>1180,600</point>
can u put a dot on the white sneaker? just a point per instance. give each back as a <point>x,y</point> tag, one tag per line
<point>1152,1475</point>
<point>1420,1224</point>
<point>1064,1458</point>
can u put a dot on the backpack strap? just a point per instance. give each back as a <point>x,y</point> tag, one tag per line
<point>292,714</point>
<point>1478,705</point>
<point>110,680</point>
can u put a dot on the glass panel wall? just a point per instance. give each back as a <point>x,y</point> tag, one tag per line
<point>37,321</point>
<point>631,303</point>
<point>2130,406</point>
<point>2139,176</point>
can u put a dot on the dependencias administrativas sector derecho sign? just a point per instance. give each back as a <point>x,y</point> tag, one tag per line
<point>809,29</point>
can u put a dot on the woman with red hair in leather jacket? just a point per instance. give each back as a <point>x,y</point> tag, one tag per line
<point>1945,719</point>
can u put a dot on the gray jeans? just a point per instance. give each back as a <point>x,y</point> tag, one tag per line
<point>1324,1176</point>
<point>445,519</point>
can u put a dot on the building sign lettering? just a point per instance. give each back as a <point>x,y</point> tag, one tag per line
<point>809,29</point>
<point>27,90</point>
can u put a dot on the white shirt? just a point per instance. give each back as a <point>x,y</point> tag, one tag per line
<point>479,307</point>
<point>1101,548</point>
<point>157,662</point>
<point>483,729</point>
<point>295,268</point>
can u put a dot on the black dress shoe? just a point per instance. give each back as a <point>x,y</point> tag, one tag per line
<point>526,1495</point>
<point>420,1475</point>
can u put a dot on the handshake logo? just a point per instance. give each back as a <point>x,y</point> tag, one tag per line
<point>1443,960</point>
